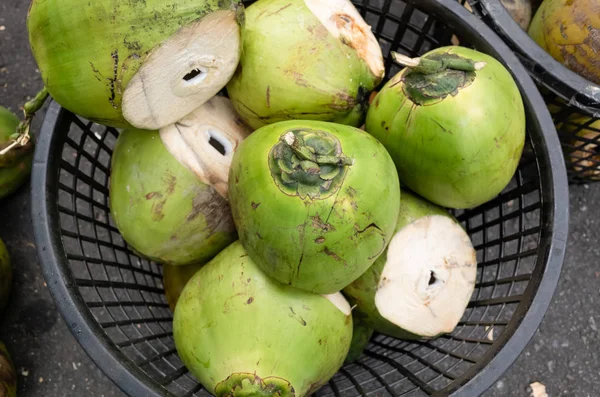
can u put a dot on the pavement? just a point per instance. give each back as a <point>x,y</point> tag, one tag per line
<point>563,355</point>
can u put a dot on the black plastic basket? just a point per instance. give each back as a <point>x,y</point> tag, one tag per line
<point>574,101</point>
<point>113,301</point>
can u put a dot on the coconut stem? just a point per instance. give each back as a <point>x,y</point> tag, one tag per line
<point>22,136</point>
<point>306,153</point>
<point>428,65</point>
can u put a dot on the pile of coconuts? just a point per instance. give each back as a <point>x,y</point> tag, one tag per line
<point>281,224</point>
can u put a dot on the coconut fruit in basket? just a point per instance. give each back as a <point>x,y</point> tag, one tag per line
<point>361,334</point>
<point>454,123</point>
<point>585,141</point>
<point>568,31</point>
<point>8,375</point>
<point>145,64</point>
<point>420,287</point>
<point>315,203</point>
<point>174,280</point>
<point>305,59</point>
<point>168,190</point>
<point>240,332</point>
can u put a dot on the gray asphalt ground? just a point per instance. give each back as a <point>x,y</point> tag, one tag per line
<point>563,355</point>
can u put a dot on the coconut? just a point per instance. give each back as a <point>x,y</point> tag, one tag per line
<point>315,203</point>
<point>420,287</point>
<point>5,276</point>
<point>454,123</point>
<point>520,11</point>
<point>8,375</point>
<point>305,59</point>
<point>585,155</point>
<point>15,163</point>
<point>174,280</point>
<point>164,209</point>
<point>145,64</point>
<point>233,323</point>
<point>568,31</point>
<point>361,334</point>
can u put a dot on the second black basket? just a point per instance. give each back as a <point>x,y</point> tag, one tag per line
<point>574,102</point>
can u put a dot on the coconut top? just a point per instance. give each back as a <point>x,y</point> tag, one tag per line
<point>8,125</point>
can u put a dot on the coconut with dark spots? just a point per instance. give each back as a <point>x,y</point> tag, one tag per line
<point>361,334</point>
<point>570,32</point>
<point>5,276</point>
<point>8,375</point>
<point>174,280</point>
<point>420,287</point>
<point>167,192</point>
<point>145,64</point>
<point>315,203</point>
<point>454,123</point>
<point>240,332</point>
<point>15,164</point>
<point>305,60</point>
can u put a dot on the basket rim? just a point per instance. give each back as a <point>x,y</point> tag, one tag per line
<point>528,48</point>
<point>551,249</point>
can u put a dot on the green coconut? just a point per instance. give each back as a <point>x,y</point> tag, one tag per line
<point>315,203</point>
<point>15,165</point>
<point>420,287</point>
<point>166,193</point>
<point>361,334</point>
<point>145,63</point>
<point>569,31</point>
<point>8,375</point>
<point>305,59</point>
<point>5,276</point>
<point>241,333</point>
<point>174,280</point>
<point>454,123</point>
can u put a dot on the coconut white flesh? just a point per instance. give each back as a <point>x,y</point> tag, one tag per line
<point>340,302</point>
<point>428,278</point>
<point>343,21</point>
<point>185,71</point>
<point>205,141</point>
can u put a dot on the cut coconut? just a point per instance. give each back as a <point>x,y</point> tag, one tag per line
<point>340,302</point>
<point>205,141</point>
<point>428,278</point>
<point>184,72</point>
<point>343,21</point>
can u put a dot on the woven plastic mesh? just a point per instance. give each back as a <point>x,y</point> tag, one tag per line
<point>576,113</point>
<point>125,293</point>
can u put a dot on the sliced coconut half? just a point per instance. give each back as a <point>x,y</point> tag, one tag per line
<point>343,21</point>
<point>205,141</point>
<point>185,71</point>
<point>340,302</point>
<point>428,278</point>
